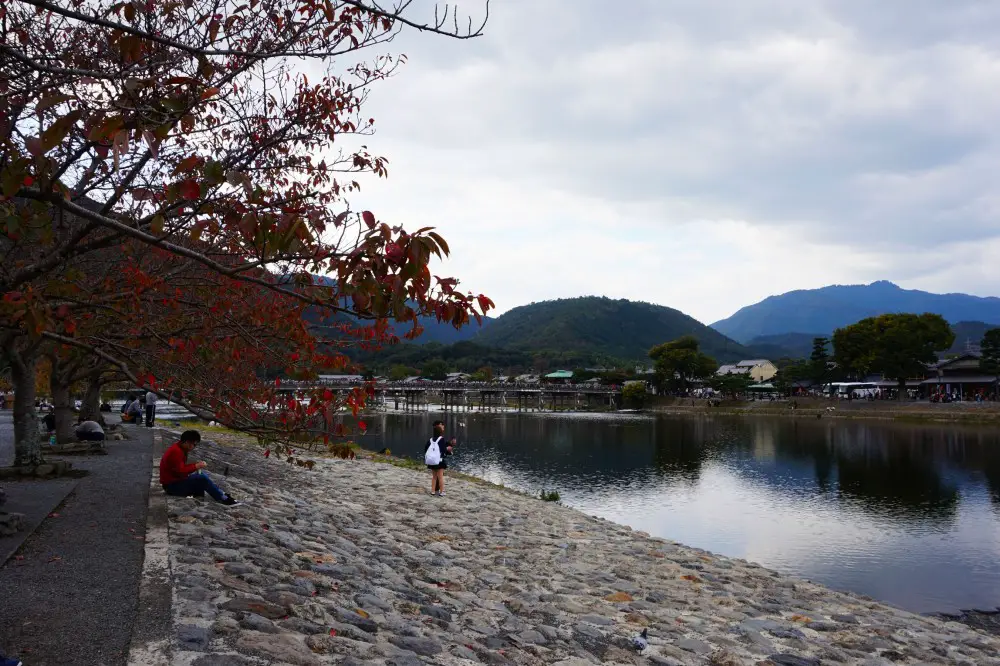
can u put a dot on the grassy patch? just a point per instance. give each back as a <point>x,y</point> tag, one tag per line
<point>549,495</point>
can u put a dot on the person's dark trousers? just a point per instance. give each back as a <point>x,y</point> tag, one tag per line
<point>150,415</point>
<point>196,485</point>
<point>90,436</point>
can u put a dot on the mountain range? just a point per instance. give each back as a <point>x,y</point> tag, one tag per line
<point>597,330</point>
<point>822,311</point>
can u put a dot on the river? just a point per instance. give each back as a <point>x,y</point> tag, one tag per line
<point>908,514</point>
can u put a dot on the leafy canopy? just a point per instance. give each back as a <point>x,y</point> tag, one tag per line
<point>677,362</point>
<point>899,346</point>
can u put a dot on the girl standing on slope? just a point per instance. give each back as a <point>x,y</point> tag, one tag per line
<point>435,451</point>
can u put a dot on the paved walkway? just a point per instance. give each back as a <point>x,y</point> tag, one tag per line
<point>70,593</point>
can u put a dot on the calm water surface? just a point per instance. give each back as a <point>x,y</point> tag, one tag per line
<point>906,514</point>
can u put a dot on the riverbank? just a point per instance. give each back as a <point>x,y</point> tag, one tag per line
<point>884,410</point>
<point>354,562</point>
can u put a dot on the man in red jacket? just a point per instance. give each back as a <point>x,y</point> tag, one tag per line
<point>183,479</point>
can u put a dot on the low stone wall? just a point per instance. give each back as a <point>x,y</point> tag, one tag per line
<point>355,563</point>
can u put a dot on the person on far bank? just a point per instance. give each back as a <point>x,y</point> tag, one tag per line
<point>183,479</point>
<point>434,453</point>
<point>150,408</point>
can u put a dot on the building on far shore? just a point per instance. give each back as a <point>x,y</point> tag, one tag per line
<point>758,369</point>
<point>961,375</point>
<point>560,376</point>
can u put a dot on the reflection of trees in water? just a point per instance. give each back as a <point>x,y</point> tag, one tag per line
<point>892,470</point>
<point>895,471</point>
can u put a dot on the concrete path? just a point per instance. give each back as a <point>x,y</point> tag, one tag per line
<point>70,593</point>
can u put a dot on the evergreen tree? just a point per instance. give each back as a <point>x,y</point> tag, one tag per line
<point>819,361</point>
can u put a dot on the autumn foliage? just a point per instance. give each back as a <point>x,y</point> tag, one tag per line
<point>174,183</point>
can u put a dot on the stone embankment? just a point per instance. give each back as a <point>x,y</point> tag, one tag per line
<point>355,563</point>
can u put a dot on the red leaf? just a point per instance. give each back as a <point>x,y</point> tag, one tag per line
<point>28,181</point>
<point>190,189</point>
<point>210,92</point>
<point>369,218</point>
<point>362,425</point>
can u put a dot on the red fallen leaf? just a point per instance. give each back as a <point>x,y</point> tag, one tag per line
<point>28,181</point>
<point>333,632</point>
<point>267,453</point>
<point>53,515</point>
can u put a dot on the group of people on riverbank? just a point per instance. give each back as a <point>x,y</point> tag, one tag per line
<point>136,406</point>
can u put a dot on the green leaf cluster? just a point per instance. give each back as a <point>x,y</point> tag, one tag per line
<point>897,346</point>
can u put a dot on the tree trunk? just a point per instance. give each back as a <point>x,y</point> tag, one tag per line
<point>62,404</point>
<point>90,410</point>
<point>27,449</point>
<point>901,390</point>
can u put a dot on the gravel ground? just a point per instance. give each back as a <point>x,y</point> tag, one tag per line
<point>70,594</point>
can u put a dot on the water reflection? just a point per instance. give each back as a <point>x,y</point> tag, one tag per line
<point>908,514</point>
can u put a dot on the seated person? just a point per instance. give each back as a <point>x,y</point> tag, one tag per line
<point>183,479</point>
<point>50,422</point>
<point>89,431</point>
<point>134,412</point>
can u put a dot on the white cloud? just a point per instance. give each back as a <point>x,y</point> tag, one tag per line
<point>702,155</point>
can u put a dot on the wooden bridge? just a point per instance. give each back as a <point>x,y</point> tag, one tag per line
<point>498,399</point>
<point>484,397</point>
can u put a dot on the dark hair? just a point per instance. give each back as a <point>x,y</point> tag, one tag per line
<point>191,436</point>
<point>437,423</point>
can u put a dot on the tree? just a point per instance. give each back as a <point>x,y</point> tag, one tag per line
<point>401,372</point>
<point>899,346</point>
<point>819,361</point>
<point>990,345</point>
<point>635,395</point>
<point>436,370</point>
<point>790,374</point>
<point>678,362</point>
<point>483,374</point>
<point>190,134</point>
<point>731,384</point>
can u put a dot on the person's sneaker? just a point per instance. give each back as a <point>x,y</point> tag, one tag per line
<point>229,501</point>
<point>440,493</point>
<point>10,662</point>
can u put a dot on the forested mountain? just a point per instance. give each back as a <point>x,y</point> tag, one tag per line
<point>832,307</point>
<point>619,329</point>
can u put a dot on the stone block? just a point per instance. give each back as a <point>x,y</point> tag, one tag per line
<point>11,523</point>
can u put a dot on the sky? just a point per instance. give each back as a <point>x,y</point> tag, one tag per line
<point>699,154</point>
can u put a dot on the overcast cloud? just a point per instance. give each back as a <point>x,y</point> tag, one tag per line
<point>701,154</point>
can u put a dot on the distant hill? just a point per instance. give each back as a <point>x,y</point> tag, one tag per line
<point>832,307</point>
<point>434,331</point>
<point>968,334</point>
<point>799,345</point>
<point>785,345</point>
<point>616,328</point>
